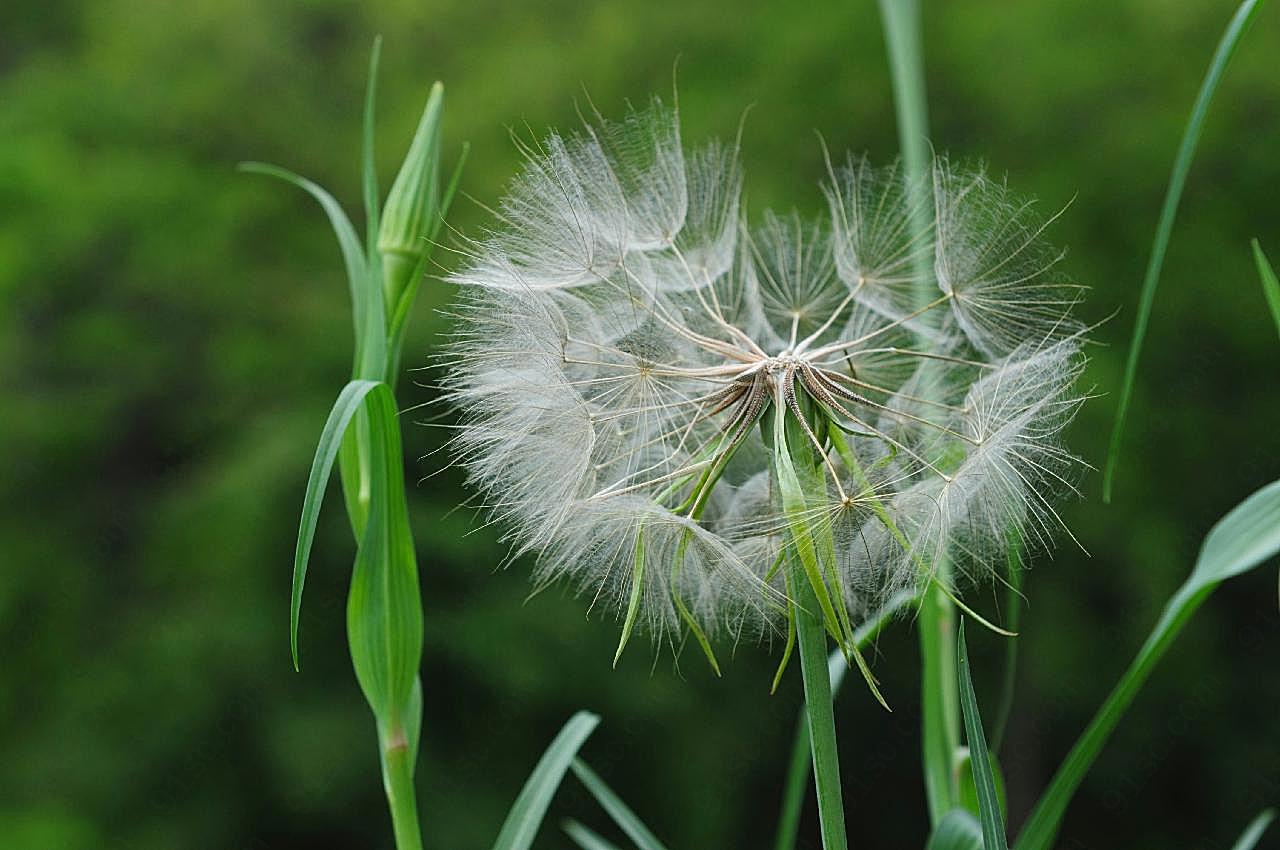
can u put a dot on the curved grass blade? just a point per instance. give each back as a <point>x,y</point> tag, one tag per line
<point>958,830</point>
<point>1243,539</point>
<point>1253,832</point>
<point>993,835</point>
<point>348,402</point>
<point>1270,286</point>
<point>352,254</point>
<point>585,837</point>
<point>530,807</point>
<point>1177,180</point>
<point>622,814</point>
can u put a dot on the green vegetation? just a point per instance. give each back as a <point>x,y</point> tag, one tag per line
<point>174,333</point>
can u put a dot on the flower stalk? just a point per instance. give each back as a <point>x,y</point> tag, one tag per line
<point>384,607</point>
<point>940,696</point>
<point>795,467</point>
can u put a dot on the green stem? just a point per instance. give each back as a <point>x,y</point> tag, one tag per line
<point>940,697</point>
<point>798,767</point>
<point>901,20</point>
<point>397,779</point>
<point>939,693</point>
<point>812,639</point>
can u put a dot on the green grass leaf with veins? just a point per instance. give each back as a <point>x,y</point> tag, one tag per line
<point>992,820</point>
<point>1243,539</point>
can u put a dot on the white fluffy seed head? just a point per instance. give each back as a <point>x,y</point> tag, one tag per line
<point>623,339</point>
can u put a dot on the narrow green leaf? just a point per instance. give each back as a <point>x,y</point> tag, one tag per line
<point>993,835</point>
<point>622,815</point>
<point>968,787</point>
<point>1270,286</point>
<point>809,553</point>
<point>1013,619</point>
<point>637,590</point>
<point>349,400</point>
<point>384,607</point>
<point>368,165</point>
<point>352,254</point>
<point>374,363</point>
<point>585,837</point>
<point>1244,538</point>
<point>521,825</point>
<point>1236,29</point>
<point>690,621</point>
<point>957,830</point>
<point>1240,541</point>
<point>1253,832</point>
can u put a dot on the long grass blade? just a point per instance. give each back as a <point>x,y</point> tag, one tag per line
<point>529,809</point>
<point>993,835</point>
<point>1243,539</point>
<point>348,402</point>
<point>621,813</point>
<point>368,166</point>
<point>1013,620</point>
<point>352,254</point>
<point>1270,286</point>
<point>1236,29</point>
<point>1253,832</point>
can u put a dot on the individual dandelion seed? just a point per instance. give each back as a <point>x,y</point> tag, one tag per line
<point>663,405</point>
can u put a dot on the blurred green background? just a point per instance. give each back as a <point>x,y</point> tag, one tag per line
<point>173,332</point>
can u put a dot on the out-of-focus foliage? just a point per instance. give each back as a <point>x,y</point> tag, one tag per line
<point>171,331</point>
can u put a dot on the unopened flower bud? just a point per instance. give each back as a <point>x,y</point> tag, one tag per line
<point>412,208</point>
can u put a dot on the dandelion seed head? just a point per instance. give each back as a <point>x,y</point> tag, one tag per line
<point>626,344</point>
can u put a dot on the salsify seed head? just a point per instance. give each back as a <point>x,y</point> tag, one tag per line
<point>626,347</point>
